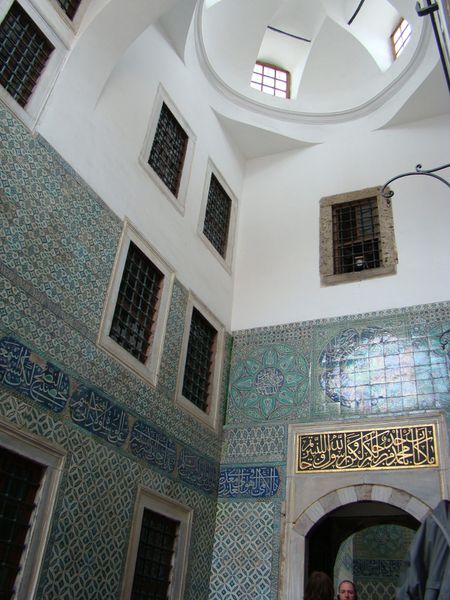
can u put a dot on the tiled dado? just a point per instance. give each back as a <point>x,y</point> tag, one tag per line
<point>51,388</point>
<point>87,546</point>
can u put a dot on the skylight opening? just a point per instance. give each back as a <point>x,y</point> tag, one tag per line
<point>400,37</point>
<point>270,80</point>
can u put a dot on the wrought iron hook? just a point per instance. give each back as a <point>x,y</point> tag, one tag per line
<point>418,171</point>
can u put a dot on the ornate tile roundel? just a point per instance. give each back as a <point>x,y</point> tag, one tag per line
<point>269,383</point>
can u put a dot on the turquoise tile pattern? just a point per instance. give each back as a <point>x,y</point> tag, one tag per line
<point>58,245</point>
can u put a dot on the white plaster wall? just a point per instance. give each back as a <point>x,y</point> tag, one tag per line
<point>98,122</point>
<point>277,274</point>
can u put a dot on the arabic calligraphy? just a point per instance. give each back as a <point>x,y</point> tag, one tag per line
<point>387,448</point>
<point>99,415</point>
<point>28,374</point>
<point>153,446</point>
<point>197,470</point>
<point>249,482</point>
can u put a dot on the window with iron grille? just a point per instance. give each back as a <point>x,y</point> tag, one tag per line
<point>199,361</point>
<point>154,561</point>
<point>135,313</point>
<point>356,237</point>
<point>24,52</point>
<point>70,7</point>
<point>356,234</point>
<point>217,216</point>
<point>270,80</point>
<point>158,549</point>
<point>20,479</point>
<point>168,150</point>
<point>137,305</point>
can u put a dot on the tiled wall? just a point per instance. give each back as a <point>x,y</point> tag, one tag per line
<point>374,364</point>
<point>56,256</point>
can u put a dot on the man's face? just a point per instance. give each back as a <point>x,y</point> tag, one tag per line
<point>346,591</point>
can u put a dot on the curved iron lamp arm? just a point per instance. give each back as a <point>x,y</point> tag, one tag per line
<point>418,171</point>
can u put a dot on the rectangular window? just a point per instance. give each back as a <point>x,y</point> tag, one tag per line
<point>270,80</point>
<point>199,361</point>
<point>137,305</point>
<point>135,313</point>
<point>24,52</point>
<point>158,549</point>
<point>153,570</point>
<point>20,479</point>
<point>356,234</point>
<point>400,37</point>
<point>30,471</point>
<point>70,7</point>
<point>217,216</point>
<point>200,371</point>
<point>356,237</point>
<point>168,150</point>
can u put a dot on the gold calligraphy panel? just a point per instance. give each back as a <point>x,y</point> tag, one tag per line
<point>386,448</point>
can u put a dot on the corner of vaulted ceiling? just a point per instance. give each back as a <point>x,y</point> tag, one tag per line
<point>175,24</point>
<point>430,99</point>
<point>255,142</point>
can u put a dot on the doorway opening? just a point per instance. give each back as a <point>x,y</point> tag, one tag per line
<point>364,542</point>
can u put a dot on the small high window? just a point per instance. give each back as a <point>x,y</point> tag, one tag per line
<point>24,52</point>
<point>168,150</point>
<point>200,364</point>
<point>217,216</point>
<point>135,312</point>
<point>270,80</point>
<point>356,237</point>
<point>70,7</point>
<point>400,37</point>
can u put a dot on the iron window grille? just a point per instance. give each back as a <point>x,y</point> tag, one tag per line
<point>24,53</point>
<point>217,216</point>
<point>154,562</point>
<point>137,304</point>
<point>271,80</point>
<point>198,370</point>
<point>356,234</point>
<point>20,480</point>
<point>400,37</point>
<point>169,150</point>
<point>70,7</point>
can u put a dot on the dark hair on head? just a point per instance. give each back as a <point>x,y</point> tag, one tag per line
<point>319,587</point>
<point>354,587</point>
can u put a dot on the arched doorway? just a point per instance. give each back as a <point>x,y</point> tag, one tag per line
<point>363,536</point>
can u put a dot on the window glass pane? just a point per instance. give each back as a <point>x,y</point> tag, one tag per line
<point>280,85</point>
<point>258,68</point>
<point>282,75</point>
<point>257,78</point>
<point>267,90</point>
<point>280,94</point>
<point>269,71</point>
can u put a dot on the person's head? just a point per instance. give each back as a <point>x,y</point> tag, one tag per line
<point>347,590</point>
<point>319,587</point>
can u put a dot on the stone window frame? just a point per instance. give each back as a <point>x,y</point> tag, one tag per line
<point>227,260</point>
<point>148,370</point>
<point>149,499</point>
<point>59,31</point>
<point>53,458</point>
<point>179,200</point>
<point>388,249</point>
<point>209,418</point>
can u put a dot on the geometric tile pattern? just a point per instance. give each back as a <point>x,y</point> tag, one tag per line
<point>254,444</point>
<point>242,558</point>
<point>90,530</point>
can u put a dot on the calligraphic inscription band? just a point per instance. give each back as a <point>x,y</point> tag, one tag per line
<point>386,448</point>
<point>248,482</point>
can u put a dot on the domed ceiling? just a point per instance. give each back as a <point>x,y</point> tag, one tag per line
<point>338,52</point>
